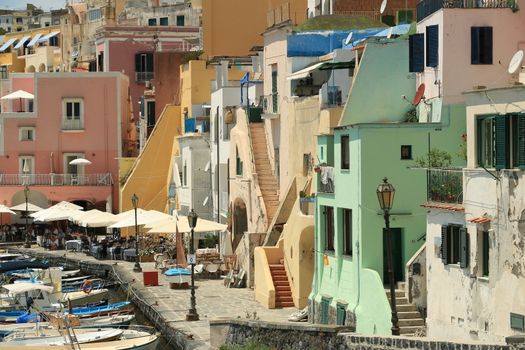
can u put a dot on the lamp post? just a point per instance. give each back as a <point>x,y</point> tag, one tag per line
<point>136,268</point>
<point>27,243</point>
<point>385,195</point>
<point>192,313</point>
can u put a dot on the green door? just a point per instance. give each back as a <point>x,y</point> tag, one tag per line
<point>397,255</point>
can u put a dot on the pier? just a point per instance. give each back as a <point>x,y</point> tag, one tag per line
<point>166,308</point>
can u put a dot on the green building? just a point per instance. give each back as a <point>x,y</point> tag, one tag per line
<point>376,137</point>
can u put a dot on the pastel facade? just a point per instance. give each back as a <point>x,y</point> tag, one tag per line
<point>74,115</point>
<point>472,247</point>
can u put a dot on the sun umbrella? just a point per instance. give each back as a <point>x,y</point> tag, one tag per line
<point>127,219</point>
<point>56,211</point>
<point>30,207</point>
<point>181,223</point>
<point>18,95</point>
<point>79,161</point>
<point>4,209</point>
<point>103,219</point>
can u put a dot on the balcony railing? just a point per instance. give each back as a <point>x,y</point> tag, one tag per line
<point>326,180</point>
<point>427,7</point>
<point>72,124</point>
<point>445,186</point>
<point>271,104</point>
<point>56,180</point>
<point>144,76</point>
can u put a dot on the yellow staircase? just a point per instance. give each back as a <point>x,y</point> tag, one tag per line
<point>268,182</point>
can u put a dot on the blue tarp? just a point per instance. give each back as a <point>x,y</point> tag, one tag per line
<point>177,271</point>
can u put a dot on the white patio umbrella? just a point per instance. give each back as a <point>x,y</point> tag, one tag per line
<point>171,225</point>
<point>30,207</point>
<point>18,95</point>
<point>80,161</point>
<point>143,217</point>
<point>4,209</point>
<point>54,214</point>
<point>103,219</point>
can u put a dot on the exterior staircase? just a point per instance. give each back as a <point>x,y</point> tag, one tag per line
<point>283,293</point>
<point>410,320</point>
<point>268,182</point>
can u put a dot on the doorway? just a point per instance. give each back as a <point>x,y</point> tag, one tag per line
<point>397,255</point>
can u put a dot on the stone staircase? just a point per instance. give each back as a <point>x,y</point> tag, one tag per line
<point>410,320</point>
<point>283,293</point>
<point>268,182</point>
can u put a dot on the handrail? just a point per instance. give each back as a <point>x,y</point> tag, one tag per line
<point>104,179</point>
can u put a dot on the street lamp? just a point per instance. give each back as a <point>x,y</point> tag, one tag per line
<point>192,313</point>
<point>135,201</point>
<point>385,195</point>
<point>27,243</point>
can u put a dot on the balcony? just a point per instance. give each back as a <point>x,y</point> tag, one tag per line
<point>144,76</point>
<point>427,7</point>
<point>271,104</point>
<point>325,179</point>
<point>72,124</point>
<point>56,180</point>
<point>445,186</point>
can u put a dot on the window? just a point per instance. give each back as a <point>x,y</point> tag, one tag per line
<point>30,105</point>
<point>19,20</point>
<point>345,152</point>
<point>328,215</point>
<point>26,164</point>
<point>404,16</point>
<point>94,15</point>
<point>72,114</point>
<point>164,21</point>
<point>455,245</point>
<point>406,152</point>
<point>150,113</point>
<point>180,21</point>
<point>501,141</point>
<point>53,41</point>
<point>416,52</point>
<point>481,45</point>
<point>100,60</point>
<point>152,22</point>
<point>432,46</point>
<point>185,174</point>
<point>144,67</point>
<point>340,314</point>
<point>347,232</point>
<point>3,72</point>
<point>238,163</point>
<point>26,133</point>
<point>485,246</point>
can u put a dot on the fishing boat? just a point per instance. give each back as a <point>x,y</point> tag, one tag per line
<point>50,336</point>
<point>147,342</point>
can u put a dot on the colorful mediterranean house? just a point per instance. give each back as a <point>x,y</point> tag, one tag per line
<point>377,136</point>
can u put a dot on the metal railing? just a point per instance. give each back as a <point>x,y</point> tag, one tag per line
<point>445,185</point>
<point>326,180</point>
<point>56,180</point>
<point>271,104</point>
<point>427,7</point>
<point>72,124</point>
<point>144,76</point>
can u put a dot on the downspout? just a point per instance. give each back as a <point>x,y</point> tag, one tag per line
<point>218,167</point>
<point>357,244</point>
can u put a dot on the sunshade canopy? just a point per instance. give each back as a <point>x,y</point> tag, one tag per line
<point>4,209</point>
<point>18,94</point>
<point>80,161</point>
<point>143,217</point>
<point>30,207</point>
<point>181,224</point>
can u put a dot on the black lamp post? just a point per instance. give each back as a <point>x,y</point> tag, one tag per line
<point>192,313</point>
<point>27,243</point>
<point>136,268</point>
<point>385,195</point>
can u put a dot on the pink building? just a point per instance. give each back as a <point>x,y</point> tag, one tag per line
<point>73,115</point>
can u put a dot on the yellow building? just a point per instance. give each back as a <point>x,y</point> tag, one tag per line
<point>36,50</point>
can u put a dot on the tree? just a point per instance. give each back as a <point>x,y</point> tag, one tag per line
<point>437,159</point>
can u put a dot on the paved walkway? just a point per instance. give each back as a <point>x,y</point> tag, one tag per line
<point>214,300</point>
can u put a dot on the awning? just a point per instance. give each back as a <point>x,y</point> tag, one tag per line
<point>47,37</point>
<point>34,40</point>
<point>22,42</point>
<point>7,44</point>
<point>303,73</point>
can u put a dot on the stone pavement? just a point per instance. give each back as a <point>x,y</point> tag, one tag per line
<point>214,300</point>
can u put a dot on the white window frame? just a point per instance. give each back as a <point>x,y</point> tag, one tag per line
<point>22,132</point>
<point>21,161</point>
<point>72,122</point>
<point>80,169</point>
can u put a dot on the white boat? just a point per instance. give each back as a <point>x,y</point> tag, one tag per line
<point>148,342</point>
<point>49,337</point>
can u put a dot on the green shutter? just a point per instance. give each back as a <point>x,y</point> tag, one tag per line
<point>521,140</point>
<point>463,247</point>
<point>340,314</point>
<point>444,244</point>
<point>480,142</point>
<point>325,304</point>
<point>485,253</point>
<point>501,142</point>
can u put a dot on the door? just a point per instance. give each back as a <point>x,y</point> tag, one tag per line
<point>396,235</point>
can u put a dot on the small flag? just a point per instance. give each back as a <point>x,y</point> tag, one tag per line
<point>246,78</point>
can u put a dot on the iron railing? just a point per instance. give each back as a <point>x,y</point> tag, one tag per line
<point>56,180</point>
<point>326,180</point>
<point>427,7</point>
<point>144,76</point>
<point>72,124</point>
<point>271,104</point>
<point>445,186</point>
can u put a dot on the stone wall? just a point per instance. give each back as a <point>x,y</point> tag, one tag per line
<point>314,314</point>
<point>299,336</point>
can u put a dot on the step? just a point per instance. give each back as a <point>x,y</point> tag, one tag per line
<point>278,273</point>
<point>282,288</point>
<point>276,266</point>
<point>406,308</point>
<point>282,283</point>
<point>285,294</point>
<point>278,278</point>
<point>280,304</point>
<point>411,322</point>
<point>410,329</point>
<point>401,285</point>
<point>399,293</point>
<point>402,315</point>
<point>286,298</point>
<point>399,300</point>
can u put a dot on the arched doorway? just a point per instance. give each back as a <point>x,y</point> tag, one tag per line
<point>240,221</point>
<point>30,69</point>
<point>35,197</point>
<point>42,67</point>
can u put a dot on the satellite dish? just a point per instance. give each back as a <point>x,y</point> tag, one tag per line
<point>515,62</point>
<point>389,34</point>
<point>348,38</point>
<point>419,94</point>
<point>383,6</point>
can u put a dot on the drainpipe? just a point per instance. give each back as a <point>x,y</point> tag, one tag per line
<point>358,246</point>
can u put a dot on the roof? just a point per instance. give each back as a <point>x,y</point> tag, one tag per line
<point>18,288</point>
<point>444,206</point>
<point>480,220</point>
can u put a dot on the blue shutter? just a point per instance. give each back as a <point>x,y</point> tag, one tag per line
<point>501,142</point>
<point>416,57</point>
<point>432,46</point>
<point>464,247</point>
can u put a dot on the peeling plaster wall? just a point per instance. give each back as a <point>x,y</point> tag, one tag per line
<point>471,306</point>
